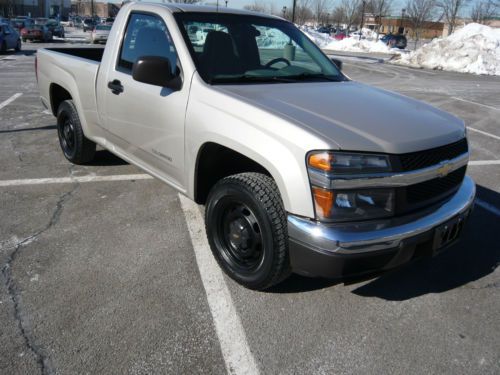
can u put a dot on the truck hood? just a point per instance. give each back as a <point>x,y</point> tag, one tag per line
<point>353,116</point>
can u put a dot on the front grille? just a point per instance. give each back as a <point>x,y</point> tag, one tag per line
<point>427,158</point>
<point>414,197</point>
<point>435,187</point>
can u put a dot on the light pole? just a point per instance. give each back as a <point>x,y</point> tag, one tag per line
<point>284,11</point>
<point>403,12</point>
<point>293,10</point>
<point>362,19</point>
<point>227,2</point>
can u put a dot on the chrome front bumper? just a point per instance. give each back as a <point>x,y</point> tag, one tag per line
<point>362,239</point>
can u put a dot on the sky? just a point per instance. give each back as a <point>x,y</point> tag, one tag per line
<point>396,8</point>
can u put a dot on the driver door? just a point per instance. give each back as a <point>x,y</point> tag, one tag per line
<point>144,120</point>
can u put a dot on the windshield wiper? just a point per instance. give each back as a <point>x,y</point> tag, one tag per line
<point>251,78</point>
<point>306,76</point>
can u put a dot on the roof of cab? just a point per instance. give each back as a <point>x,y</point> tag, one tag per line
<point>181,8</point>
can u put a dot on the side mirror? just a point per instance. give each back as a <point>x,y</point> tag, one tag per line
<point>157,71</point>
<point>337,62</point>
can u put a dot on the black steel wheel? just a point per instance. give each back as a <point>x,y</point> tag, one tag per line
<point>74,145</point>
<point>246,229</point>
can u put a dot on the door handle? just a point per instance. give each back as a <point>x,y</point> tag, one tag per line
<point>115,86</point>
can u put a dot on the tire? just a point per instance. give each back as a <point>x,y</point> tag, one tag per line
<point>74,145</point>
<point>24,40</point>
<point>247,230</point>
<point>18,45</point>
<point>3,47</point>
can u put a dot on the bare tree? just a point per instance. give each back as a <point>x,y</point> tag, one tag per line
<point>338,15</point>
<point>451,9</point>
<point>419,12</point>
<point>257,6</point>
<point>379,9</point>
<point>352,12</point>
<point>321,10</point>
<point>483,11</point>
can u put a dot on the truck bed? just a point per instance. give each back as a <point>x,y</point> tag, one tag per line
<point>89,53</point>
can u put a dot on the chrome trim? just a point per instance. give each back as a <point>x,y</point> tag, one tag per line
<point>380,180</point>
<point>362,237</point>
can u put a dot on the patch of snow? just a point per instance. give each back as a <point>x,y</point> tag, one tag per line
<point>472,49</point>
<point>353,44</point>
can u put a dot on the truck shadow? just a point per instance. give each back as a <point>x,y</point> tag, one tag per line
<point>474,257</point>
<point>104,158</point>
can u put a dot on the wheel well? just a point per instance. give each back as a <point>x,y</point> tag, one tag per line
<point>58,94</point>
<point>215,162</point>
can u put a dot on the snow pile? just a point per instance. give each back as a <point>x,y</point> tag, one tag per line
<point>353,44</point>
<point>321,40</point>
<point>472,49</point>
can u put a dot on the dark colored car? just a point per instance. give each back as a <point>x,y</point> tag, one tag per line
<point>395,40</point>
<point>88,24</point>
<point>9,38</point>
<point>324,30</point>
<point>39,33</point>
<point>21,23</point>
<point>55,28</point>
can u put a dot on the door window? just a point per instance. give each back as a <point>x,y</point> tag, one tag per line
<point>146,35</point>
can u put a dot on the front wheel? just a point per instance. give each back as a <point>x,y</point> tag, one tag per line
<point>247,230</point>
<point>18,45</point>
<point>75,146</point>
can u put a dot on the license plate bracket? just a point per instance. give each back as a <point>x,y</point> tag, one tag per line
<point>447,233</point>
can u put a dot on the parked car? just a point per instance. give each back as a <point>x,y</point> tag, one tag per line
<point>21,23</point>
<point>100,33</point>
<point>77,22</point>
<point>40,33</point>
<point>109,20</point>
<point>9,38</point>
<point>55,28</point>
<point>88,24</point>
<point>339,35</point>
<point>295,175</point>
<point>395,40</point>
<point>66,21</point>
<point>324,30</point>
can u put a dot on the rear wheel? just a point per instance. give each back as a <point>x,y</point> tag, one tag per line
<point>3,47</point>
<point>247,230</point>
<point>18,45</point>
<point>75,146</point>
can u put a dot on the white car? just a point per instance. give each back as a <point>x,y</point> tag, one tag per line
<point>100,33</point>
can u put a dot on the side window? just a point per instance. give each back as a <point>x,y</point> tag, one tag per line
<point>146,35</point>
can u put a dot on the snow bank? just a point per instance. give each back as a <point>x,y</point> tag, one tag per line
<point>321,40</point>
<point>472,49</point>
<point>353,44</point>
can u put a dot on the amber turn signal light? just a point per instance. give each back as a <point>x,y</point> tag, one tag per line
<point>323,201</point>
<point>322,161</point>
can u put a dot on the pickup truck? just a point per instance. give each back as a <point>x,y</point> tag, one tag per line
<point>300,168</point>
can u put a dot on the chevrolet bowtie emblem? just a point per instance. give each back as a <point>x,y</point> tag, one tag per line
<point>444,169</point>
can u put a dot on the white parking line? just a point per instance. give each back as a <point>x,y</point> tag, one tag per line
<point>484,133</point>
<point>237,355</point>
<point>484,162</point>
<point>79,179</point>
<point>488,206</point>
<point>479,104</point>
<point>10,100</point>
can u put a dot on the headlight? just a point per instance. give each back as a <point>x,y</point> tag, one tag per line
<point>344,163</point>
<point>348,205</point>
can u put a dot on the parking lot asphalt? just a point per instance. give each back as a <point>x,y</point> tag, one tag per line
<point>104,276</point>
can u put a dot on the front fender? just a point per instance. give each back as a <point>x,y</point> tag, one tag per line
<point>274,143</point>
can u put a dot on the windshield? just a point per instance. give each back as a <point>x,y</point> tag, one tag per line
<point>229,48</point>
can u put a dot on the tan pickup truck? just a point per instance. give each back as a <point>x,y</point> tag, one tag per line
<point>300,168</point>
